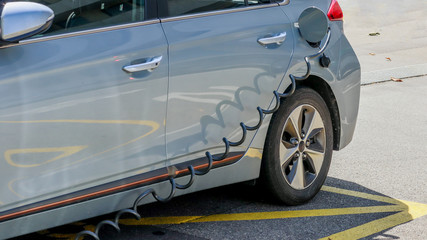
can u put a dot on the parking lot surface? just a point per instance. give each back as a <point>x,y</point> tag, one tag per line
<point>386,43</point>
<point>387,153</point>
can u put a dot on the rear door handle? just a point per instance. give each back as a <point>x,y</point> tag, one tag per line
<point>150,65</point>
<point>277,39</point>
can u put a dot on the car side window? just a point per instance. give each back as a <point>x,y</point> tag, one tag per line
<point>77,15</point>
<point>183,7</point>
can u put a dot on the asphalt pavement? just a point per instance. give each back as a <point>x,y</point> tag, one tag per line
<point>389,37</point>
<point>388,154</point>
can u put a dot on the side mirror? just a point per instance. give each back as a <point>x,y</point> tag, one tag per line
<point>20,20</point>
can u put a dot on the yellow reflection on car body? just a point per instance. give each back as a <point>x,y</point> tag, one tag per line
<point>65,152</point>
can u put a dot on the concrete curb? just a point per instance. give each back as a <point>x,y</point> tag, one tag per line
<point>400,72</point>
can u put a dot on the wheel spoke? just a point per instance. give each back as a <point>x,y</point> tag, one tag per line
<point>294,123</point>
<point>315,132</point>
<point>297,175</point>
<point>315,158</point>
<point>287,144</point>
<point>286,154</point>
<point>310,166</point>
<point>313,122</point>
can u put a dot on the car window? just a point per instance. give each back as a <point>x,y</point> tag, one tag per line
<point>183,7</point>
<point>76,15</point>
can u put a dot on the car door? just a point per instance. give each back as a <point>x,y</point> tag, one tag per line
<point>222,67</point>
<point>77,106</point>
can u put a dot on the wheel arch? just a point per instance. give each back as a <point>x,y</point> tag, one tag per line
<point>322,87</point>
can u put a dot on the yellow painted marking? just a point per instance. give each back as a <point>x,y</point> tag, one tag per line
<point>78,223</point>
<point>372,227</point>
<point>415,209</point>
<point>66,151</point>
<point>262,215</point>
<point>411,212</point>
<point>43,232</point>
<point>361,195</point>
<point>62,236</point>
<point>159,220</point>
<point>69,236</point>
<point>405,212</point>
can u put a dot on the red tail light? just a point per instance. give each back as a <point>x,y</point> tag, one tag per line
<point>335,12</point>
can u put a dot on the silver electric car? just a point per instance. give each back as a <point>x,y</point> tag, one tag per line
<point>109,104</point>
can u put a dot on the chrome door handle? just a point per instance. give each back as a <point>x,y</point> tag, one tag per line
<point>277,39</point>
<point>150,65</point>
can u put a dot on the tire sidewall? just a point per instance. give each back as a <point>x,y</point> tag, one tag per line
<point>271,168</point>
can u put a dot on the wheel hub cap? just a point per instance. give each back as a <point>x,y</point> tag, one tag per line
<point>301,146</point>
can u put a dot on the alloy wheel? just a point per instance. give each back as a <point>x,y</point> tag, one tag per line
<point>302,147</point>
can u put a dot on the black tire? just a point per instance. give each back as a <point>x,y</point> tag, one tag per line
<point>280,174</point>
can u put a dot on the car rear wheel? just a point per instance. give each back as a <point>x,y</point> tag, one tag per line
<point>298,148</point>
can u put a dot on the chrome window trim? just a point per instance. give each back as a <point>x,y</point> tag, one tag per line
<point>218,12</point>
<point>137,24</point>
<point>84,32</point>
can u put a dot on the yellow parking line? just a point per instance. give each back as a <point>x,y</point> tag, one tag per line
<point>160,220</point>
<point>397,207</point>
<point>404,211</point>
<point>360,195</point>
<point>411,211</point>
<point>372,227</point>
<point>263,215</point>
<point>65,236</point>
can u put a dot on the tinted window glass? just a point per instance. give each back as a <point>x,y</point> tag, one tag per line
<point>75,15</point>
<point>182,7</point>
